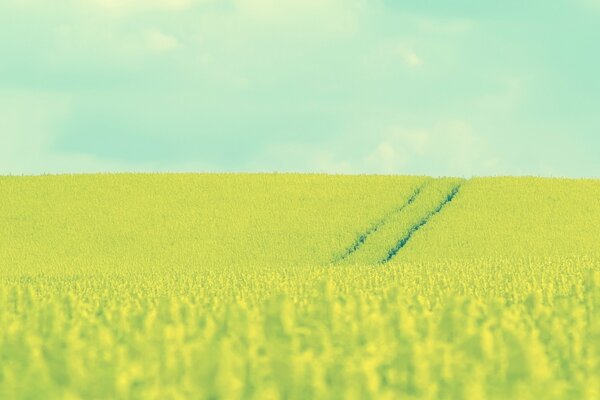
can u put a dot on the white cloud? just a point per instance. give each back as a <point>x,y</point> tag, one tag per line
<point>492,163</point>
<point>591,3</point>
<point>418,141</point>
<point>309,52</point>
<point>463,147</point>
<point>129,6</point>
<point>408,56</point>
<point>157,41</point>
<point>444,26</point>
<point>30,122</point>
<point>27,118</point>
<point>387,158</point>
<point>297,157</point>
<point>291,8</point>
<point>451,147</point>
<point>115,7</point>
<point>412,59</point>
<point>309,16</point>
<point>326,162</point>
<point>448,148</point>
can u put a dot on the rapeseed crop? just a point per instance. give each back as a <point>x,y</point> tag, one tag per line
<point>246,286</point>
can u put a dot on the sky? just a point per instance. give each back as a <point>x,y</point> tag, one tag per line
<point>443,88</point>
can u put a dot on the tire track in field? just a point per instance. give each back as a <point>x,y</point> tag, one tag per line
<point>404,240</point>
<point>362,238</point>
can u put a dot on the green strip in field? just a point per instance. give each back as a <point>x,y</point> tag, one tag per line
<point>362,238</point>
<point>404,240</point>
<point>384,239</point>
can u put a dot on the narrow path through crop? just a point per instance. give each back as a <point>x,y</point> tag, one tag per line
<point>402,242</point>
<point>374,228</point>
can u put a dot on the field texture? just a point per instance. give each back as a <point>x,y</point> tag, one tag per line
<point>298,287</point>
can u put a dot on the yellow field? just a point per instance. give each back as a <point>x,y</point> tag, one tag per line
<point>299,286</point>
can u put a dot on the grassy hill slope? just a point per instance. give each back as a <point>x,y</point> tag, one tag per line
<point>515,218</point>
<point>298,286</point>
<point>98,221</point>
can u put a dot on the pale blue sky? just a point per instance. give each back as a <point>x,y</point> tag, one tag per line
<point>340,86</point>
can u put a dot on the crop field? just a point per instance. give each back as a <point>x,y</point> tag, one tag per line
<point>285,286</point>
